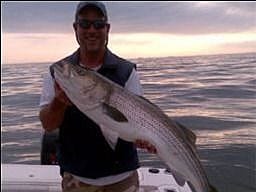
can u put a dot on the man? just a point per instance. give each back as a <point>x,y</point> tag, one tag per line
<point>92,159</point>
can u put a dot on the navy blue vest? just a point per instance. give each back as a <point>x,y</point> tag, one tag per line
<point>82,148</point>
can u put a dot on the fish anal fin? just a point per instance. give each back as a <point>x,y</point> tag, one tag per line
<point>178,178</point>
<point>114,113</point>
<point>191,187</point>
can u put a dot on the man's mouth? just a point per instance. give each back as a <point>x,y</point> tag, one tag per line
<point>92,39</point>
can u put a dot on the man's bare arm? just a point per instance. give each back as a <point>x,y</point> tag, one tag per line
<point>52,115</point>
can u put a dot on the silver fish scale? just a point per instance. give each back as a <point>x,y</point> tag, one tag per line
<point>155,123</point>
<point>140,117</point>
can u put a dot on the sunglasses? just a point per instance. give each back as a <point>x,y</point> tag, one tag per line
<point>86,24</point>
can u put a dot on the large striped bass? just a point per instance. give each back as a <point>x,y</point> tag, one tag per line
<point>134,118</point>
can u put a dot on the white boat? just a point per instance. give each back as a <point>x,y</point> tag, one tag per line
<point>46,178</point>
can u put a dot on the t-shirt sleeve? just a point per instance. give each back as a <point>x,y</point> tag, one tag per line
<point>133,83</point>
<point>48,91</point>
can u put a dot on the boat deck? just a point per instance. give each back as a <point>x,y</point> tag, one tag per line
<point>46,178</point>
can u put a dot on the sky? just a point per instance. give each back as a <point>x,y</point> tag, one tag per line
<point>42,31</point>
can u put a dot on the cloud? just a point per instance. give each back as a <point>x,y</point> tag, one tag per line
<point>183,17</point>
<point>135,17</point>
<point>37,17</point>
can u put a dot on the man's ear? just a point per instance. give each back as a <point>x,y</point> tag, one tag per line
<point>74,26</point>
<point>75,29</point>
<point>108,27</point>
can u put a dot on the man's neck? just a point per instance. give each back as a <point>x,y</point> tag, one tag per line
<point>92,59</point>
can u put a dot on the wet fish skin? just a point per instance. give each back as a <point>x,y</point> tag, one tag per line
<point>133,117</point>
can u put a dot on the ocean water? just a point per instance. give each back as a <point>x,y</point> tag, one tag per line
<point>215,96</point>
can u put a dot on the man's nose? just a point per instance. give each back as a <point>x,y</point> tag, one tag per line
<point>91,28</point>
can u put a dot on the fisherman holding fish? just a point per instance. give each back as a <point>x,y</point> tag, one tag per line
<point>92,158</point>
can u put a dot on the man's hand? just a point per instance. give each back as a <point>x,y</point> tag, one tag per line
<point>52,115</point>
<point>146,145</point>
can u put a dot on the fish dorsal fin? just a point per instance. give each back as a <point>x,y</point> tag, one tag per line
<point>188,133</point>
<point>114,113</point>
<point>145,99</point>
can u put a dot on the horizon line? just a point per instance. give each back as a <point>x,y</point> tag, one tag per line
<point>197,55</point>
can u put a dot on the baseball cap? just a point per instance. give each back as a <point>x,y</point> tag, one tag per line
<point>96,4</point>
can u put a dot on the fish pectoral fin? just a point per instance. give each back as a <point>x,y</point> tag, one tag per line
<point>114,113</point>
<point>188,133</point>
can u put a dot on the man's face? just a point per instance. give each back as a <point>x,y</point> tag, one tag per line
<point>91,30</point>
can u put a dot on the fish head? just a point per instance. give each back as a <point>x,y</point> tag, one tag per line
<point>91,88</point>
<point>82,85</point>
<point>94,89</point>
